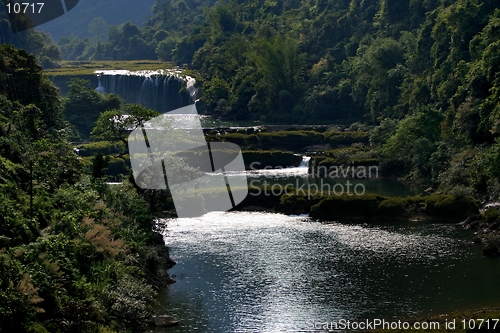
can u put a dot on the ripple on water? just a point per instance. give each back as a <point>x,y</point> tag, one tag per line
<point>262,272</point>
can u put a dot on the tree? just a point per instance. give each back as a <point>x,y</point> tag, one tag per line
<point>83,105</point>
<point>377,72</point>
<point>115,125</point>
<point>278,59</point>
<point>98,28</point>
<point>415,140</point>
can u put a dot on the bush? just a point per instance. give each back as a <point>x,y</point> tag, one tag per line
<point>293,139</point>
<point>393,207</point>
<point>449,206</point>
<point>491,214</point>
<point>118,166</point>
<point>346,138</point>
<point>129,301</point>
<point>491,245</point>
<point>106,147</point>
<point>242,140</point>
<point>442,207</point>
<point>346,206</point>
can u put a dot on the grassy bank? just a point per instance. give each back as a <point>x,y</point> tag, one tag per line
<point>295,140</point>
<point>437,207</point>
<point>86,67</point>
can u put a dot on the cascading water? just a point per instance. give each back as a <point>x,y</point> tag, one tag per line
<point>305,162</point>
<point>160,90</point>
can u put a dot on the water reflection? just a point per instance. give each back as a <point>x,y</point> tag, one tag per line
<point>261,272</point>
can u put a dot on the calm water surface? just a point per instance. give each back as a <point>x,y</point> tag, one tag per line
<point>263,272</point>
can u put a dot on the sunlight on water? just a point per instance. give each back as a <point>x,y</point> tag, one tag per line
<point>262,272</point>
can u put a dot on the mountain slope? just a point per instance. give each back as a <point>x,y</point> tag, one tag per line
<point>114,12</point>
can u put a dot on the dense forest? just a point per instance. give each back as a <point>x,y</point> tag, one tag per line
<point>414,82</point>
<point>76,255</point>
<point>420,75</point>
<point>91,17</point>
<point>35,42</point>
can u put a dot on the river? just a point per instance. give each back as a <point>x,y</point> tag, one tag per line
<point>265,272</point>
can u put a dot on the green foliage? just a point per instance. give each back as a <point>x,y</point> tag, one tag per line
<point>129,301</point>
<point>346,206</point>
<point>448,206</point>
<point>83,106</point>
<point>414,141</point>
<point>278,60</point>
<point>72,250</point>
<point>21,70</point>
<point>491,245</point>
<point>349,156</point>
<point>292,139</point>
<point>106,147</point>
<point>115,125</point>
<point>99,165</point>
<point>491,215</point>
<point>393,207</point>
<point>119,166</point>
<point>343,138</point>
<point>77,22</point>
<point>440,207</point>
<point>37,43</point>
<point>378,71</point>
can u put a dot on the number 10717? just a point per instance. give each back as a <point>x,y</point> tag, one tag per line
<point>24,7</point>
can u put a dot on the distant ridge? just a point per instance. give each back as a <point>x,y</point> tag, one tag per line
<point>114,12</point>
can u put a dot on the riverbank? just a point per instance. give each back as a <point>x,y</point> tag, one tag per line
<point>367,207</point>
<point>372,208</point>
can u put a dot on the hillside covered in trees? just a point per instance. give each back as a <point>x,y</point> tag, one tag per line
<point>75,254</point>
<point>416,82</point>
<point>421,74</point>
<point>90,17</point>
<point>35,42</point>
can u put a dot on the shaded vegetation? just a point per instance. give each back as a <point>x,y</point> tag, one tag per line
<point>76,255</point>
<point>38,43</point>
<point>439,207</point>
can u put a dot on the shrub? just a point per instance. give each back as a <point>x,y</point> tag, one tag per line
<point>346,206</point>
<point>491,214</point>
<point>106,147</point>
<point>243,140</point>
<point>294,139</point>
<point>118,166</point>
<point>393,207</point>
<point>449,206</point>
<point>129,301</point>
<point>346,138</point>
<point>491,245</point>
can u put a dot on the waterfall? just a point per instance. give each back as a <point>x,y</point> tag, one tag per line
<point>305,162</point>
<point>160,90</point>
<point>100,88</point>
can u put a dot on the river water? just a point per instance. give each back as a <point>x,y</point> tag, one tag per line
<point>265,272</point>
